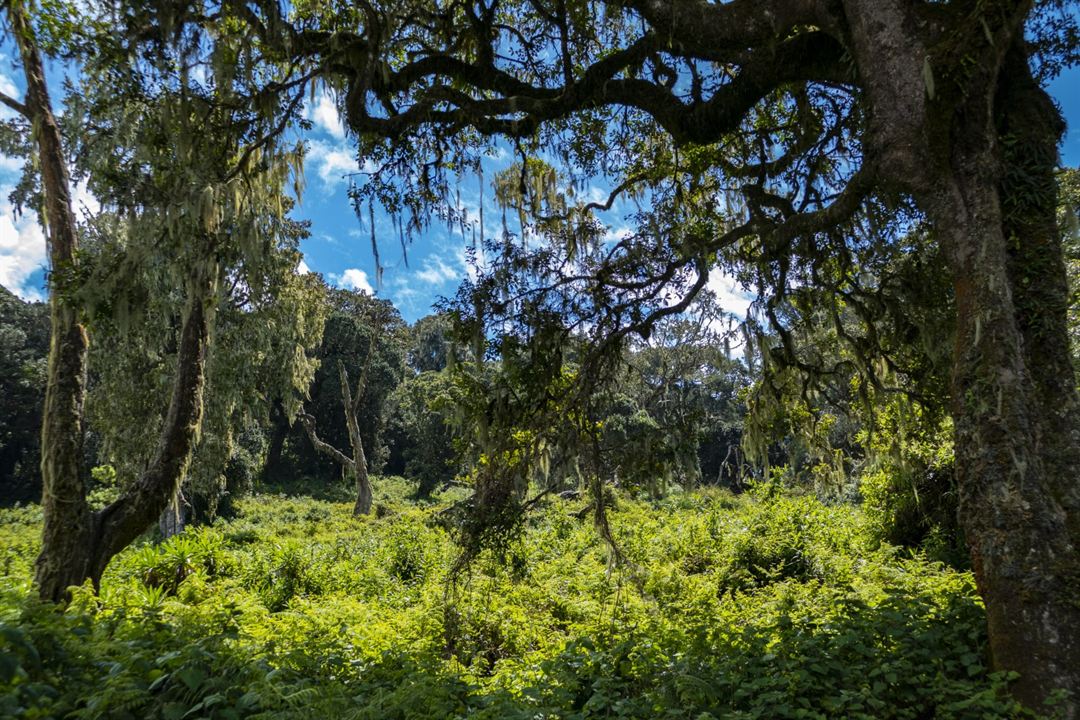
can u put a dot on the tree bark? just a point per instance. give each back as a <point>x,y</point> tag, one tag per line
<point>980,163</point>
<point>67,527</point>
<point>357,464</point>
<point>1014,405</point>
<point>352,406</point>
<point>172,519</point>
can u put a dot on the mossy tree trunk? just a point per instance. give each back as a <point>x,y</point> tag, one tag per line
<point>77,544</point>
<point>67,526</point>
<point>1014,398</point>
<point>979,160</point>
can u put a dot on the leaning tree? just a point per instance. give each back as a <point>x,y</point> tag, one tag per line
<point>792,139</point>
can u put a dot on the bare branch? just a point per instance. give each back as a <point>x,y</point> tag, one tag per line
<point>325,448</point>
<point>15,105</point>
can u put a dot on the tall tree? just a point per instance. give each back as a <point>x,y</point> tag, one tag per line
<point>364,339</point>
<point>789,135</point>
<point>210,164</point>
<point>67,520</point>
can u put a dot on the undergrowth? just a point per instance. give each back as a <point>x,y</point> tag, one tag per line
<point>725,607</point>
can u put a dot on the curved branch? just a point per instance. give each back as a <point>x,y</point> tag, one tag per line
<point>119,523</point>
<point>321,445</point>
<point>707,28</point>
<point>520,108</point>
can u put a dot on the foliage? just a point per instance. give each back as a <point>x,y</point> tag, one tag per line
<point>419,430</point>
<point>356,325</point>
<point>734,608</point>
<point>191,186</point>
<point>24,345</point>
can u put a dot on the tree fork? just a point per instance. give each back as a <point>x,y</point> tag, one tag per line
<point>121,522</point>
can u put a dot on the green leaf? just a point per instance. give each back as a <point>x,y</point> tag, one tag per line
<point>192,677</point>
<point>173,711</point>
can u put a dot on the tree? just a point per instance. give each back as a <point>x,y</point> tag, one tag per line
<point>267,319</point>
<point>24,345</point>
<point>789,137</point>
<point>429,343</point>
<point>363,338</point>
<point>183,186</point>
<point>419,430</point>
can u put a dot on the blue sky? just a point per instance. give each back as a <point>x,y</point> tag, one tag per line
<point>340,244</point>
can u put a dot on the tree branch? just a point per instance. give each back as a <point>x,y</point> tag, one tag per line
<point>15,105</point>
<point>320,445</point>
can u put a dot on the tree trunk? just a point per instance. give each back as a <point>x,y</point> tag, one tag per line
<point>1013,391</point>
<point>359,459</point>
<point>171,521</point>
<point>1014,408</point>
<point>105,533</point>
<point>278,432</point>
<point>67,527</point>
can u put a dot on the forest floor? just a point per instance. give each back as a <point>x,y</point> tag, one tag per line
<point>726,607</point>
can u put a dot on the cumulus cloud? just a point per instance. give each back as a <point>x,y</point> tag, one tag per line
<point>331,162</point>
<point>302,268</point>
<point>22,250</point>
<point>353,279</point>
<point>324,114</point>
<point>436,271</point>
<point>731,295</point>
<point>22,243</point>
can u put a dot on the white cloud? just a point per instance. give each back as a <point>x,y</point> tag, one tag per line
<point>353,279</point>
<point>7,86</point>
<point>22,250</point>
<point>615,234</point>
<point>83,200</point>
<point>302,268</point>
<point>731,295</point>
<point>436,271</point>
<point>22,243</point>
<point>325,115</point>
<point>10,165</point>
<point>331,162</point>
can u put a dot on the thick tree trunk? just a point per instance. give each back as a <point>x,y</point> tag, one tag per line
<point>101,535</point>
<point>1014,408</point>
<point>67,527</point>
<point>1013,387</point>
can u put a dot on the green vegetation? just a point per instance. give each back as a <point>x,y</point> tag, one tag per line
<point>727,607</point>
<point>881,176</point>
